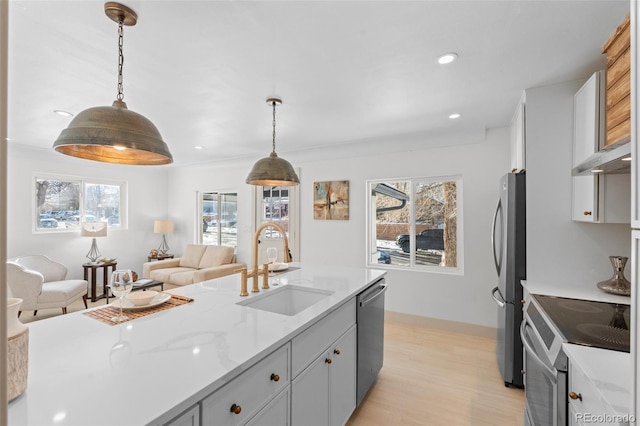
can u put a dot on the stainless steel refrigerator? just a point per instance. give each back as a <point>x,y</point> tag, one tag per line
<point>508,238</point>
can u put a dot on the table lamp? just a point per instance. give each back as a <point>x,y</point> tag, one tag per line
<point>93,229</point>
<point>163,227</point>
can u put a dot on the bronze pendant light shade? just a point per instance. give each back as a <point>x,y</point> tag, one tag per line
<point>273,170</point>
<point>114,134</point>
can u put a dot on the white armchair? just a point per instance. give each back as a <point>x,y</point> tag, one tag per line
<point>40,283</point>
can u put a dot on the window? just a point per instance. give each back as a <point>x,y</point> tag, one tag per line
<point>278,204</point>
<point>274,207</point>
<point>416,223</point>
<point>219,219</point>
<point>62,203</point>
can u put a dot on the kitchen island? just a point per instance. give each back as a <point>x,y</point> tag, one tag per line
<point>154,369</point>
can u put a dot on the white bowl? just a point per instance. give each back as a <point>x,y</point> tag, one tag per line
<point>140,298</point>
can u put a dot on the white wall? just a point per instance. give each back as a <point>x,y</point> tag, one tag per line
<point>147,188</point>
<point>560,251</point>
<point>463,298</point>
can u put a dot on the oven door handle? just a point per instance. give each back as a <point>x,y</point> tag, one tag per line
<point>532,352</point>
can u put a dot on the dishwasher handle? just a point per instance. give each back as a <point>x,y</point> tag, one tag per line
<point>379,293</point>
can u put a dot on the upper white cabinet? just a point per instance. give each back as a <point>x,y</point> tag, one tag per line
<point>588,118</point>
<point>517,136</point>
<point>597,198</point>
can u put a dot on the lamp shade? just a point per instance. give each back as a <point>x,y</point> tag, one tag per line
<point>113,134</point>
<point>273,171</point>
<point>94,229</point>
<point>163,227</point>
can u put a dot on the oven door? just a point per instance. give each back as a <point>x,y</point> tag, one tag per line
<point>545,386</point>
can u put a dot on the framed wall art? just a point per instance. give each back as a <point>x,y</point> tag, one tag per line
<point>331,200</point>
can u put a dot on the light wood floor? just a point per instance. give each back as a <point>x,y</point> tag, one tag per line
<point>430,377</point>
<point>434,377</point>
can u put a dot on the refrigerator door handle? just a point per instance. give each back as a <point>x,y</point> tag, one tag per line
<point>495,299</point>
<point>493,238</point>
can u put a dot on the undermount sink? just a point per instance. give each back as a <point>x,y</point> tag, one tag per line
<point>286,300</point>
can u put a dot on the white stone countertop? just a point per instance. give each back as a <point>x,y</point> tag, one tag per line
<point>173,358</point>
<point>609,371</point>
<point>585,293</point>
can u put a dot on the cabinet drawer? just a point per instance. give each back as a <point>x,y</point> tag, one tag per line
<point>250,391</point>
<point>592,402</point>
<point>317,338</point>
<point>275,413</point>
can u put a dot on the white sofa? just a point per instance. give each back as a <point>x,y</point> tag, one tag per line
<point>198,263</point>
<point>41,283</point>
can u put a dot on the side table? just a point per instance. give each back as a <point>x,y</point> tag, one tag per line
<point>91,269</point>
<point>159,257</point>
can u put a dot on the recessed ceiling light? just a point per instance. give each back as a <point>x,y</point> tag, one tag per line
<point>626,159</point>
<point>454,115</point>
<point>197,147</point>
<point>447,58</point>
<point>63,113</point>
<point>597,171</point>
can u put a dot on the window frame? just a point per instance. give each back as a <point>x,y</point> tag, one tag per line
<point>200,214</point>
<point>82,181</point>
<point>371,260</point>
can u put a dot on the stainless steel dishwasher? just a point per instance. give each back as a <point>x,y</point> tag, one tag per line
<point>370,320</point>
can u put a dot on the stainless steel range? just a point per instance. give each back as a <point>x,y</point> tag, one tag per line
<point>548,322</point>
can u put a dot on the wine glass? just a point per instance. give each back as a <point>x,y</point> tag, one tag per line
<point>272,256</point>
<point>121,285</point>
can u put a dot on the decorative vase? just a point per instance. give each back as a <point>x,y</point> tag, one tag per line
<point>617,284</point>
<point>17,350</point>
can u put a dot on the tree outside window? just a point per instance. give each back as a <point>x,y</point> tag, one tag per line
<point>64,203</point>
<point>414,222</point>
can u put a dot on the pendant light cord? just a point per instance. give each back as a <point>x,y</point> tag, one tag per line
<point>274,125</point>
<point>120,60</point>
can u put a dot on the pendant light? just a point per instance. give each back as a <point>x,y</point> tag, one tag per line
<point>114,134</point>
<point>273,170</point>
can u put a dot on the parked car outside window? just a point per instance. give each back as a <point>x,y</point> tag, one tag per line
<point>429,239</point>
<point>47,221</point>
<point>74,221</point>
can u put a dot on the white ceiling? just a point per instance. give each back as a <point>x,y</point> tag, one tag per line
<point>355,77</point>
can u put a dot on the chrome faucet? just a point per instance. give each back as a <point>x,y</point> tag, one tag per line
<point>254,272</point>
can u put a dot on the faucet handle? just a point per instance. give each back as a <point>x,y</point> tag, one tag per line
<point>243,282</point>
<point>265,276</point>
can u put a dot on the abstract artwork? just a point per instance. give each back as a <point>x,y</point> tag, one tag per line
<point>331,200</point>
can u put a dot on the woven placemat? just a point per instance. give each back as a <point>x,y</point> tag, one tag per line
<point>105,313</point>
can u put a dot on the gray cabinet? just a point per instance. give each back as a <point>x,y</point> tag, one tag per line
<point>191,417</point>
<point>242,398</point>
<point>325,392</point>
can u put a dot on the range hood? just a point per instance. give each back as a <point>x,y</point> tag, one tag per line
<point>608,161</point>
